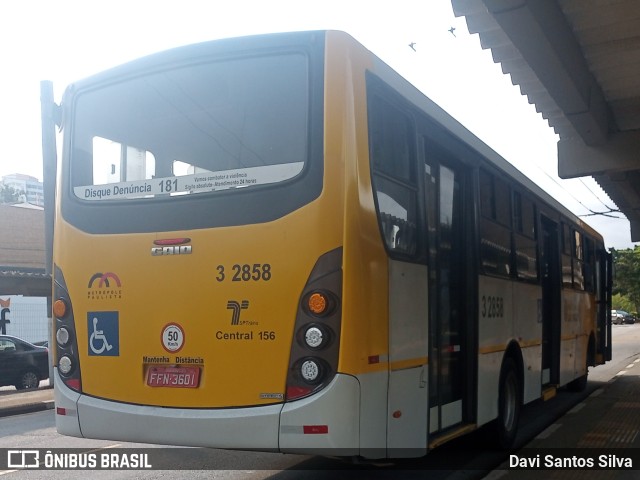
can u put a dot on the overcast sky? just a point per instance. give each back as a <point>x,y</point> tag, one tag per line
<point>66,40</point>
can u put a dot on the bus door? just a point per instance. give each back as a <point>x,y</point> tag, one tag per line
<point>551,302</point>
<point>447,353</point>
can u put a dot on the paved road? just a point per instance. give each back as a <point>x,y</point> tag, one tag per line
<point>37,431</point>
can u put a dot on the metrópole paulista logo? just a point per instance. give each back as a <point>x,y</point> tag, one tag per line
<point>104,286</point>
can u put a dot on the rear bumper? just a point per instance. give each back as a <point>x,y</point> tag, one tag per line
<point>246,428</point>
<point>335,410</point>
<point>281,427</point>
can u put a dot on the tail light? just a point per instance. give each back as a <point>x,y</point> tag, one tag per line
<point>66,345</point>
<point>314,352</point>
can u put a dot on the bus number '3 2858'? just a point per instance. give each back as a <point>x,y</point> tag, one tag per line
<point>492,307</point>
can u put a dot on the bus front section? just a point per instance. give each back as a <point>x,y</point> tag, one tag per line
<point>197,276</point>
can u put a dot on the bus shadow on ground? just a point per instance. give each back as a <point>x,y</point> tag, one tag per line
<point>469,457</point>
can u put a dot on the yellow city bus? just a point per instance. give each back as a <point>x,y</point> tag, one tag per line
<point>277,243</point>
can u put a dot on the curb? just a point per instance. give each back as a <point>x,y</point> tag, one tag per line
<point>27,408</point>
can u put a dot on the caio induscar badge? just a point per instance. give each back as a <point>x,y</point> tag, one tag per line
<point>171,246</point>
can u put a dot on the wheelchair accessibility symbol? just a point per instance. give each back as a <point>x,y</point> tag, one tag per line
<point>104,334</point>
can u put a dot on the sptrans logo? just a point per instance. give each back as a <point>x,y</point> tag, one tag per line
<point>235,308</point>
<point>104,286</point>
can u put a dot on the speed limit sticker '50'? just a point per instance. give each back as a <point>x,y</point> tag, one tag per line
<point>172,337</point>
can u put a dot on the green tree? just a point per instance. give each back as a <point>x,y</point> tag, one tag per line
<point>626,274</point>
<point>8,194</point>
<point>621,302</point>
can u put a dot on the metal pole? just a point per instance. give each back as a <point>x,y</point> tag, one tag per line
<point>48,110</point>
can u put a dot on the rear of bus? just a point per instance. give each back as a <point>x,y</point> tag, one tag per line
<point>198,252</point>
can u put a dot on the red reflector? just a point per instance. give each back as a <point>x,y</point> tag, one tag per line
<point>297,392</point>
<point>315,429</point>
<point>73,383</point>
<point>61,411</point>
<point>171,241</point>
<point>374,359</point>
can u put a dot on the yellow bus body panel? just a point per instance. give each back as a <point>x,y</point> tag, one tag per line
<point>364,333</point>
<point>244,364</point>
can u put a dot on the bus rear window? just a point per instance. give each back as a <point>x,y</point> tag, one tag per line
<point>197,129</point>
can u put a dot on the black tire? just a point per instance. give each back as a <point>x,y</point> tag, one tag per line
<point>28,380</point>
<point>509,404</point>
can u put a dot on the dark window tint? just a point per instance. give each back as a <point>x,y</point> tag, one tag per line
<point>495,199</point>
<point>526,247</point>
<point>495,232</point>
<point>392,152</point>
<point>392,141</point>
<point>578,262</point>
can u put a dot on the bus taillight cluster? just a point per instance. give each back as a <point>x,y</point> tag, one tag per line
<point>314,353</point>
<point>66,344</point>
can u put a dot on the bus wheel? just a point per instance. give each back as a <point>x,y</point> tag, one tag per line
<point>509,404</point>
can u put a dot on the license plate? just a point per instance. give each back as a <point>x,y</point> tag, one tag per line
<point>176,377</point>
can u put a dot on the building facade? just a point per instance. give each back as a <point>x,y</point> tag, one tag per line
<point>29,186</point>
<point>24,285</point>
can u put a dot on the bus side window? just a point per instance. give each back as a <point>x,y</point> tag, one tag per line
<point>567,271</point>
<point>589,265</point>
<point>495,225</point>
<point>578,261</point>
<point>526,247</point>
<point>392,151</point>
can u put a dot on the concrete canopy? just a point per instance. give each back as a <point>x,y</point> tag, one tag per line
<point>578,61</point>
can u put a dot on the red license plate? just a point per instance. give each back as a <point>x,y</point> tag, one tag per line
<point>176,377</point>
